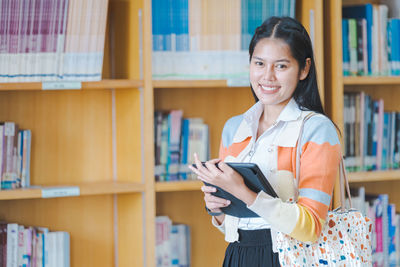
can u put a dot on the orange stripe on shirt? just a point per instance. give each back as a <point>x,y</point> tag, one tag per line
<point>312,174</point>
<point>234,149</point>
<point>286,159</point>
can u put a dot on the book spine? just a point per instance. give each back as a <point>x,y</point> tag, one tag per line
<point>12,244</point>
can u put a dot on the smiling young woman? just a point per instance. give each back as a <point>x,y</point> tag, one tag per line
<point>283,82</point>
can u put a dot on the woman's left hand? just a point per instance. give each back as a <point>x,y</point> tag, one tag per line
<point>218,173</point>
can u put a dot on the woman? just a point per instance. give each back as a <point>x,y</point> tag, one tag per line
<point>283,81</point>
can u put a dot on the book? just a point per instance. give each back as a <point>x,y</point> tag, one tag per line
<point>362,12</point>
<point>12,244</point>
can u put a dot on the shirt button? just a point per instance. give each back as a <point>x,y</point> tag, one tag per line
<point>270,149</point>
<point>272,170</point>
<point>251,153</point>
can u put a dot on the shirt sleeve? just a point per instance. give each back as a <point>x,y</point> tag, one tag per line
<point>220,227</point>
<point>319,164</point>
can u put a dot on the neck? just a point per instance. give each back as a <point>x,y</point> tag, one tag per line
<point>271,113</point>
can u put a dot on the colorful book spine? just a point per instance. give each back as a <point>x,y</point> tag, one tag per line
<point>345,44</point>
<point>362,12</point>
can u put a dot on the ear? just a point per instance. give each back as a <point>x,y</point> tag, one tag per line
<point>304,72</point>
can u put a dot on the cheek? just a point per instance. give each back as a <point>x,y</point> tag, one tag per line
<point>290,82</point>
<point>255,75</point>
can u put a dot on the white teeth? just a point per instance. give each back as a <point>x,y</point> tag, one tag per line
<point>269,88</point>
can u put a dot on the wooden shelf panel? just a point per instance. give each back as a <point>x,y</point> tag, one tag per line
<point>374,176</point>
<point>370,80</point>
<point>103,84</point>
<point>178,186</point>
<point>189,83</point>
<point>86,189</point>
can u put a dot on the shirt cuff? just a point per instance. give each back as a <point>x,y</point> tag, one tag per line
<point>281,215</point>
<point>220,227</point>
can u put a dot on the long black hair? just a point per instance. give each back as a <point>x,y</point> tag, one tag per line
<point>296,37</point>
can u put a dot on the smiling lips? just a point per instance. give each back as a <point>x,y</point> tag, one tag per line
<point>269,89</point>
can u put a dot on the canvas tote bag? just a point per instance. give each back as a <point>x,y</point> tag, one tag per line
<point>345,239</point>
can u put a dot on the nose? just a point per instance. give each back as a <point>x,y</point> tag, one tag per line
<point>269,73</point>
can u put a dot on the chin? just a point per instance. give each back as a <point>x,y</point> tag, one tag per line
<point>272,101</point>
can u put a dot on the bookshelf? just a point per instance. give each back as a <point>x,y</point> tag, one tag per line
<point>375,182</point>
<point>103,84</point>
<point>93,140</point>
<point>85,189</point>
<point>190,83</point>
<point>376,176</point>
<point>215,102</point>
<point>100,140</point>
<point>178,186</point>
<point>371,80</point>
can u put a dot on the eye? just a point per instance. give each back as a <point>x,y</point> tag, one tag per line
<point>280,66</point>
<point>258,63</point>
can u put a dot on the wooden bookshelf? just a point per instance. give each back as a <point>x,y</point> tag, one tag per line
<point>87,189</point>
<point>374,176</point>
<point>77,133</point>
<point>189,83</point>
<point>95,139</point>
<point>178,186</point>
<point>387,88</point>
<point>103,84</point>
<point>371,80</point>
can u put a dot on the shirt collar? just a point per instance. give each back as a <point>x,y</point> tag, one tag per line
<point>291,112</point>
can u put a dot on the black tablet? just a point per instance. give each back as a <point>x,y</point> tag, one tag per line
<point>255,181</point>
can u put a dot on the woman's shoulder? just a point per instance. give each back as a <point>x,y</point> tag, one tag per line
<point>320,129</point>
<point>232,124</point>
<point>230,129</point>
<point>234,121</point>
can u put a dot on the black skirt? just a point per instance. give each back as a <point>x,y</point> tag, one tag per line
<point>254,249</point>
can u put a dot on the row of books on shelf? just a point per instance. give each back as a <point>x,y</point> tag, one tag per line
<point>193,39</point>
<point>52,40</point>
<point>15,156</point>
<point>172,243</point>
<point>191,25</point>
<point>33,246</point>
<point>385,238</point>
<point>372,135</point>
<point>176,140</point>
<point>371,41</point>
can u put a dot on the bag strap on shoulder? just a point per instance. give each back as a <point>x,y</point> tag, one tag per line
<point>344,183</point>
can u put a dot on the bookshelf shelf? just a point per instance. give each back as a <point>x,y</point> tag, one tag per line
<point>86,189</point>
<point>374,176</point>
<point>103,84</point>
<point>370,80</point>
<point>189,83</point>
<point>178,186</point>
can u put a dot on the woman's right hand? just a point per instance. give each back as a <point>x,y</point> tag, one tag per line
<point>213,203</point>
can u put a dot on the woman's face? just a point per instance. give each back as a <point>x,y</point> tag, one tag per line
<point>274,73</point>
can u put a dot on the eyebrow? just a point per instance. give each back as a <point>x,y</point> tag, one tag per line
<point>279,60</point>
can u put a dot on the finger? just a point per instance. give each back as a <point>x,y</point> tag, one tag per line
<point>215,205</point>
<point>213,199</point>
<point>215,161</point>
<point>203,170</point>
<point>224,167</point>
<point>194,169</point>
<point>213,168</point>
<point>200,175</point>
<point>204,179</point>
<point>208,189</point>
